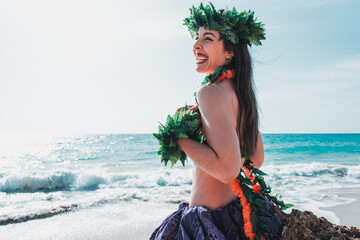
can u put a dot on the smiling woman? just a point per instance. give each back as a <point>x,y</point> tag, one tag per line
<point>229,199</point>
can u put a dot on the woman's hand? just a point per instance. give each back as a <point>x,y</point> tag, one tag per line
<point>194,108</point>
<point>258,158</point>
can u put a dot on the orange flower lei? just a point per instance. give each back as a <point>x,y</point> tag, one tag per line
<point>235,186</point>
<point>237,190</point>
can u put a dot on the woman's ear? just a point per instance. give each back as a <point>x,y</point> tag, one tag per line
<point>230,54</point>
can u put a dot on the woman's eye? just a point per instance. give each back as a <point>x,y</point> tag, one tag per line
<point>197,38</point>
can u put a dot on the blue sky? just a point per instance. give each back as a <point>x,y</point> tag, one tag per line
<point>122,66</point>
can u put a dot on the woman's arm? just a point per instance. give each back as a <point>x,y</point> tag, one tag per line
<point>258,158</point>
<point>221,158</point>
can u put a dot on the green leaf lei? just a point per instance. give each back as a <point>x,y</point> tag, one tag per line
<point>184,124</point>
<point>258,178</point>
<point>231,24</point>
<point>213,78</point>
<point>255,199</point>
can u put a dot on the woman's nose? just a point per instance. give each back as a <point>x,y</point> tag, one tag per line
<point>197,46</point>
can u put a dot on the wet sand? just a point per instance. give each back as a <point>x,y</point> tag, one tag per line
<point>349,214</point>
<point>133,220</point>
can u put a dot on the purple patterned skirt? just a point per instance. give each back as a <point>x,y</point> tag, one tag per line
<point>201,223</point>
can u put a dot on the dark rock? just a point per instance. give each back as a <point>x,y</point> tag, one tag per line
<point>305,225</point>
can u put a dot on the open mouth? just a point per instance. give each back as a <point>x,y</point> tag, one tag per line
<point>201,58</point>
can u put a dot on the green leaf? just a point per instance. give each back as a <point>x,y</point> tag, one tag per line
<point>258,204</point>
<point>258,235</point>
<point>286,206</point>
<point>263,225</point>
<point>258,171</point>
<point>183,135</point>
<point>246,180</point>
<point>254,220</point>
<point>247,192</point>
<point>172,143</point>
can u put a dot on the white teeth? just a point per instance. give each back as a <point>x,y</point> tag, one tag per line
<point>201,61</point>
<point>200,58</point>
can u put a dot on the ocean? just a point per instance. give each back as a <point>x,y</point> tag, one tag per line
<point>43,177</point>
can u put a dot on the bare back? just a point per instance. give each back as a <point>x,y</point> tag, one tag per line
<point>207,190</point>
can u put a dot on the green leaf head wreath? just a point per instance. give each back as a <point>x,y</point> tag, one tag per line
<point>231,24</point>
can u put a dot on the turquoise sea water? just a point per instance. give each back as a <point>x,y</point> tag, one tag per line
<point>326,148</point>
<point>42,176</point>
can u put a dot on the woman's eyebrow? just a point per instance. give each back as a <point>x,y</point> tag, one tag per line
<point>206,33</point>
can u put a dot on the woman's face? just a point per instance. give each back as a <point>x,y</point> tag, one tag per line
<point>209,51</point>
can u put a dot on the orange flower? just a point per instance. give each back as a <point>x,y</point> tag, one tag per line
<point>235,186</point>
<point>256,187</point>
<point>227,74</point>
<point>248,173</point>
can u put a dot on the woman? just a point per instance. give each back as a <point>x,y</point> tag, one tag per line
<point>229,120</point>
<point>219,162</point>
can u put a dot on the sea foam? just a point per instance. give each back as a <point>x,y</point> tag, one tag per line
<point>48,176</point>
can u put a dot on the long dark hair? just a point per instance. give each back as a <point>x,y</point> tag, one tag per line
<point>248,118</point>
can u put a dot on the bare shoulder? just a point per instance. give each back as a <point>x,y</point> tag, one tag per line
<point>208,92</point>
<point>219,100</point>
<point>213,92</point>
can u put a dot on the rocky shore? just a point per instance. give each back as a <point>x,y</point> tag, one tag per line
<point>305,225</point>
